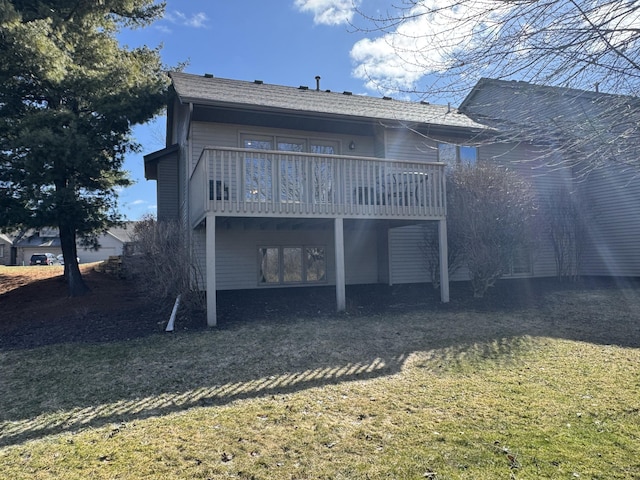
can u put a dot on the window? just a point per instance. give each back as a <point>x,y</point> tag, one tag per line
<point>520,263</point>
<point>291,264</point>
<point>1,250</point>
<point>269,265</point>
<point>291,173</point>
<point>315,266</point>
<point>258,170</point>
<point>455,154</point>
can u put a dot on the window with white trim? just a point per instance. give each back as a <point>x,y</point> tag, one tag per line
<point>279,265</point>
<point>291,177</point>
<point>454,155</point>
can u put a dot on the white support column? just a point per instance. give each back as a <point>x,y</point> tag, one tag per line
<point>338,232</point>
<point>444,262</point>
<point>210,268</point>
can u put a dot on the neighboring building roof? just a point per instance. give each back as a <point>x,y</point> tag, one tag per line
<point>584,124</point>
<point>520,102</point>
<point>36,241</point>
<point>124,233</point>
<point>207,90</point>
<point>32,238</point>
<point>4,238</point>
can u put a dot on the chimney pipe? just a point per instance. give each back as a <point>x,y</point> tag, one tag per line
<point>317,83</point>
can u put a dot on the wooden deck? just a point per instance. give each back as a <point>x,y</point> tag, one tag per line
<point>263,183</point>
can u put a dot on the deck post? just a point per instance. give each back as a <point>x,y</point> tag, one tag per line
<point>338,232</point>
<point>444,262</point>
<point>210,269</point>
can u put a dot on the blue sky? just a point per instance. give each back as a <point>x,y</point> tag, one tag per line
<point>286,42</point>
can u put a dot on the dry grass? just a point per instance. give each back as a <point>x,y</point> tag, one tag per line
<point>547,393</point>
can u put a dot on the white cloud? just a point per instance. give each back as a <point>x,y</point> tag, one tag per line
<point>138,202</point>
<point>423,43</point>
<point>196,20</point>
<point>163,28</point>
<point>329,12</point>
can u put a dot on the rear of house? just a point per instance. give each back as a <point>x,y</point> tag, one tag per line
<point>292,187</point>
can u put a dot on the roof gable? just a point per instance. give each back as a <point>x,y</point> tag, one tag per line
<point>523,102</point>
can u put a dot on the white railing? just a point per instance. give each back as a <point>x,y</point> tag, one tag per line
<point>242,182</point>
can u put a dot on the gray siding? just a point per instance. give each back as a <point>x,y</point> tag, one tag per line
<point>407,263</point>
<point>403,144</point>
<point>361,253</point>
<point>168,196</point>
<point>237,253</point>
<point>225,135</point>
<point>545,177</point>
<point>612,212</point>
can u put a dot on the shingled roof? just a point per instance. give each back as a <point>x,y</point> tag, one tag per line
<point>207,90</point>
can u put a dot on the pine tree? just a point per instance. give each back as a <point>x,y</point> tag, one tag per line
<point>69,97</point>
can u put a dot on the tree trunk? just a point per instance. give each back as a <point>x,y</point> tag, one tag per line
<point>72,275</point>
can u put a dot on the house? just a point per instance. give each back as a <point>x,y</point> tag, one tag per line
<point>6,247</point>
<point>47,240</point>
<point>296,186</point>
<point>588,142</point>
<point>31,241</point>
<point>111,243</point>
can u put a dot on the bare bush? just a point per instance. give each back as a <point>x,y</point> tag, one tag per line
<point>494,210</point>
<point>566,231</point>
<point>431,244</point>
<point>162,265</point>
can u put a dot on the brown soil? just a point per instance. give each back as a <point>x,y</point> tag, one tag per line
<point>35,309</point>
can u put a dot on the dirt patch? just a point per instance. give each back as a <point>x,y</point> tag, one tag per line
<point>35,308</point>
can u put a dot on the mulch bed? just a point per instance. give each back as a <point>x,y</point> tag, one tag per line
<point>40,314</point>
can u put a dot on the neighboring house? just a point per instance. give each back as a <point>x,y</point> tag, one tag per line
<point>6,246</point>
<point>572,131</point>
<point>112,243</point>
<point>46,240</point>
<point>32,241</point>
<point>292,187</point>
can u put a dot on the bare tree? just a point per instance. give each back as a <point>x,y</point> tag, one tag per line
<point>567,232</point>
<point>575,43</point>
<point>440,49</point>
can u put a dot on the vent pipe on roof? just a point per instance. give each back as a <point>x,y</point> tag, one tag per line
<point>317,83</point>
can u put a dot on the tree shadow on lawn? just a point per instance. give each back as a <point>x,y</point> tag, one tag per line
<point>272,353</point>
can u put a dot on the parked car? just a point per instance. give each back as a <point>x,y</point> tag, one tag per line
<point>43,259</point>
<point>61,259</point>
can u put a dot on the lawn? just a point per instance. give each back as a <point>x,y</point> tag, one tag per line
<point>545,390</point>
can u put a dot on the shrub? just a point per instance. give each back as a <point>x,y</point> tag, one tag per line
<point>162,264</point>
<point>491,213</point>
